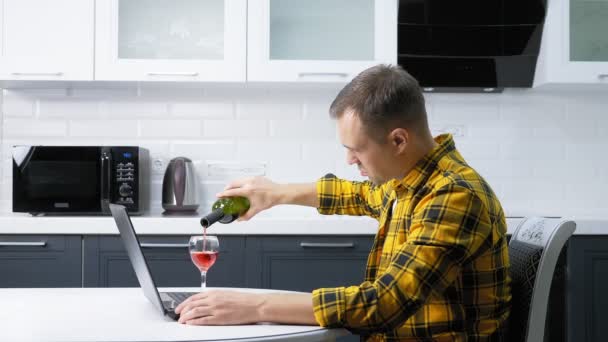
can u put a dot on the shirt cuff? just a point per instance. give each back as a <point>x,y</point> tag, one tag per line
<point>326,187</point>
<point>329,306</point>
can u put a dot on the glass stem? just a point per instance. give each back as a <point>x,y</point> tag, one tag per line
<point>203,280</point>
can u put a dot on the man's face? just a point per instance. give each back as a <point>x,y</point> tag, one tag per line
<point>375,160</point>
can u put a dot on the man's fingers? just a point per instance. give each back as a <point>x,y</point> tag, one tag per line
<point>237,183</point>
<point>190,300</point>
<point>232,192</point>
<point>193,312</point>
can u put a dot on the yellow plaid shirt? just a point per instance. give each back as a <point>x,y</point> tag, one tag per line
<point>439,266</point>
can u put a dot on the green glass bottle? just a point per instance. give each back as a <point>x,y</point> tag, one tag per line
<point>226,210</point>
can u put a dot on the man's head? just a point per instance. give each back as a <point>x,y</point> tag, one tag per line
<point>382,122</point>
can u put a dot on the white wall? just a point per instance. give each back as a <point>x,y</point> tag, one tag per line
<point>542,150</point>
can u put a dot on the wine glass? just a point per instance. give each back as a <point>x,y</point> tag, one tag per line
<point>203,252</point>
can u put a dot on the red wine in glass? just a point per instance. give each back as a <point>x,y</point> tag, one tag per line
<point>203,260</point>
<point>203,252</point>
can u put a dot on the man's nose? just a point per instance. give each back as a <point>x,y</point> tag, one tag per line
<point>350,158</point>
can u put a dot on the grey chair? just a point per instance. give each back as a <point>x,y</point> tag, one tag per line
<point>534,249</point>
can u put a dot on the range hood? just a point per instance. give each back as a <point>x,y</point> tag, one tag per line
<point>471,45</point>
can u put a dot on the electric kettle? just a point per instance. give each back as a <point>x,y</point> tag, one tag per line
<point>180,187</point>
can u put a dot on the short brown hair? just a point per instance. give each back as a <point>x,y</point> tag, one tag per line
<point>384,97</point>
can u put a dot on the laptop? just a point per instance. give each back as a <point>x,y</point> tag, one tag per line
<point>165,302</point>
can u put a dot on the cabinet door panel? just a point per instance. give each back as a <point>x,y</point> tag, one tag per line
<point>180,40</point>
<point>40,261</point>
<point>107,264</point>
<point>319,41</point>
<point>46,40</point>
<point>306,263</point>
<point>586,285</point>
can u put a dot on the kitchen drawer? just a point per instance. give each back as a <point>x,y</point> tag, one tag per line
<point>106,263</point>
<point>40,261</point>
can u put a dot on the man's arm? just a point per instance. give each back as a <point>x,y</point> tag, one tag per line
<point>232,307</point>
<point>330,195</point>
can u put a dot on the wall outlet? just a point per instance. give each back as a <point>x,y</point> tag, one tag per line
<point>158,166</point>
<point>236,169</point>
<point>454,130</point>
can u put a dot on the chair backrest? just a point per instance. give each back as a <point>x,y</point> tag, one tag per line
<point>533,251</point>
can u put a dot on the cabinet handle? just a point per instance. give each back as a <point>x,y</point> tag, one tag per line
<point>22,244</point>
<point>164,245</point>
<point>327,244</point>
<point>189,74</point>
<point>322,74</point>
<point>602,76</point>
<point>58,73</point>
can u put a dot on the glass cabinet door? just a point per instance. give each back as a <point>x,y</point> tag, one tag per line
<point>588,31</point>
<point>319,40</point>
<point>584,53</point>
<point>177,40</point>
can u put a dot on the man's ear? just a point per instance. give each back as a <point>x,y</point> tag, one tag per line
<point>399,138</point>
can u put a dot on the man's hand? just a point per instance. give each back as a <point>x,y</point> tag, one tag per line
<point>261,192</point>
<point>220,308</point>
<point>215,307</point>
<point>264,194</point>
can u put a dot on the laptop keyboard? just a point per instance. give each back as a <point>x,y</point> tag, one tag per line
<point>179,297</point>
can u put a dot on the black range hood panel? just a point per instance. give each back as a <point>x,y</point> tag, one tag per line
<point>473,44</point>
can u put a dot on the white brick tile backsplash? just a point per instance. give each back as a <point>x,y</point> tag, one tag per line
<point>268,150</point>
<point>34,127</point>
<point>220,110</point>
<point>118,91</point>
<point>170,128</point>
<point>62,108</point>
<point>587,151</point>
<point>303,129</point>
<point>269,110</point>
<point>235,128</point>
<point>15,104</point>
<point>204,150</point>
<point>103,128</point>
<point>540,150</point>
<point>499,130</point>
<point>471,108</point>
<point>317,110</point>
<point>478,150</point>
<point>532,150</point>
<point>545,108</point>
<point>129,109</point>
<point>327,151</point>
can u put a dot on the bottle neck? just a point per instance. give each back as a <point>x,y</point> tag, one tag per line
<point>213,217</point>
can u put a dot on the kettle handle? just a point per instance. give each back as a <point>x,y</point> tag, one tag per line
<point>179,181</point>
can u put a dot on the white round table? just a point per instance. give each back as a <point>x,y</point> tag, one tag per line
<point>123,314</point>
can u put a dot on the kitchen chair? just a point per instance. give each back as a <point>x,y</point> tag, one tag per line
<point>534,249</point>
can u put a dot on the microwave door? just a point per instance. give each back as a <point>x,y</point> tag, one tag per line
<point>56,179</point>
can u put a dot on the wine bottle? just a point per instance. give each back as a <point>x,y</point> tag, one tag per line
<point>226,210</point>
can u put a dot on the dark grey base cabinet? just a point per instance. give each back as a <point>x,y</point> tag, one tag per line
<point>587,287</point>
<point>304,263</point>
<point>40,261</point>
<point>106,263</point>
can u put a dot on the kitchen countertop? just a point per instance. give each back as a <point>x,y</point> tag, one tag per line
<point>188,225</point>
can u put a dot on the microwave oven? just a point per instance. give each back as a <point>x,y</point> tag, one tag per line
<point>79,179</point>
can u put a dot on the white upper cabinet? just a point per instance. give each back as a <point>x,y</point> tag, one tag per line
<point>46,40</point>
<point>575,43</point>
<point>319,40</point>
<point>177,40</point>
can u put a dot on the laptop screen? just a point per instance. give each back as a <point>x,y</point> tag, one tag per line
<point>131,242</point>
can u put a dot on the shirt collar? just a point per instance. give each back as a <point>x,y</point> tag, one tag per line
<point>426,165</point>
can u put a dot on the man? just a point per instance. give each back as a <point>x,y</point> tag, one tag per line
<point>439,267</point>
